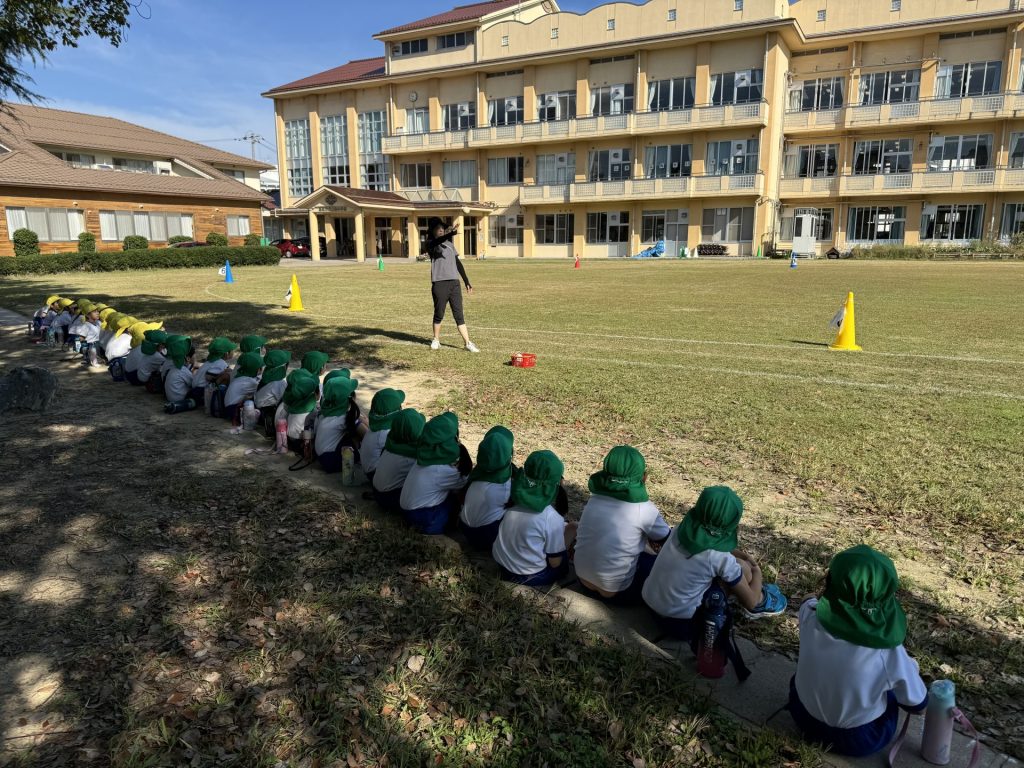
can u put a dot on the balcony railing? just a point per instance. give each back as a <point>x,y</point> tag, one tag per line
<point>990,179</point>
<point>586,127</point>
<point>644,189</point>
<point>929,110</point>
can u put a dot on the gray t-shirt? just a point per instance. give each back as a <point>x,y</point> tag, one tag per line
<point>444,263</point>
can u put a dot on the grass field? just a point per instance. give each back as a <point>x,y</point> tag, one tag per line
<point>719,373</point>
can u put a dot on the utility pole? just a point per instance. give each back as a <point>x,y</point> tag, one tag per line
<point>253,139</point>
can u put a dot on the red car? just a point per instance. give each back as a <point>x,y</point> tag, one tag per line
<point>289,248</point>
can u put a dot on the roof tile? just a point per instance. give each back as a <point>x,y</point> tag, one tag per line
<point>358,69</point>
<point>460,13</point>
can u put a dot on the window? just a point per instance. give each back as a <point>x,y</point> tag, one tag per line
<point>952,222</point>
<point>417,120</point>
<point>611,99</point>
<point>668,162</point>
<point>506,229</point>
<point>459,173</point>
<point>74,159</point>
<point>728,225</point>
<point>1017,150</point>
<point>554,33</point>
<point>740,87</point>
<point>556,106</point>
<point>505,170</point>
<point>610,165</point>
<point>820,94</point>
<point>612,59</point>
<point>415,175</point>
<point>896,5</point>
<point>556,169</point>
<point>334,150</point>
<point>507,111</point>
<point>238,226</point>
<point>821,15</point>
<point>731,158</point>
<point>233,173</point>
<point>297,156</point>
<point>608,227</point>
<point>454,40</point>
<point>611,25</point>
<point>409,47</point>
<point>737,5</point>
<point>882,156</point>
<point>677,93</point>
<point>1013,220</point>
<point>823,224</point>
<point>960,153</point>
<point>460,116</point>
<point>976,79</point>
<point>51,225</point>
<point>671,14</point>
<point>374,171</point>
<point>877,223</point>
<point>811,161</point>
<point>504,41</point>
<point>890,87</point>
<point>157,226</point>
<point>131,165</point>
<point>554,228</point>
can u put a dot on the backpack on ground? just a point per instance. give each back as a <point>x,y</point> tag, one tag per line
<point>116,368</point>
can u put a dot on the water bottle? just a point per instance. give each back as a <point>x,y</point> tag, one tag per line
<point>348,466</point>
<point>938,722</point>
<point>31,328</point>
<point>307,444</point>
<point>249,415</point>
<point>51,336</point>
<point>181,406</point>
<point>76,345</point>
<point>208,398</point>
<point>710,656</point>
<point>281,433</point>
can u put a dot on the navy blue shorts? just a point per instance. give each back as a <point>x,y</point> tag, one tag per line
<point>854,742</point>
<point>482,537</point>
<point>132,377</point>
<point>390,501</point>
<point>429,520</point>
<point>633,594</point>
<point>544,578</point>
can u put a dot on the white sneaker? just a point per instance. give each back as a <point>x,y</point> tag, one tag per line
<point>435,344</point>
<point>471,347</point>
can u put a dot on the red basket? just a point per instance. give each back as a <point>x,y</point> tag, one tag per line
<point>524,360</point>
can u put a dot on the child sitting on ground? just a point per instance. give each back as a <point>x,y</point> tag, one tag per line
<point>272,386</point>
<point>385,405</point>
<point>701,554</point>
<point>178,383</point>
<point>853,674</point>
<point>397,458</point>
<point>334,429</point>
<point>442,467</point>
<point>154,352</point>
<point>45,315</point>
<point>120,344</point>
<point>218,355</point>
<point>252,343</point>
<point>618,525</point>
<point>533,540</point>
<point>137,331</point>
<point>88,330</point>
<point>243,386</point>
<point>106,327</point>
<point>66,316</point>
<point>76,329</point>
<point>297,406</point>
<point>490,486</point>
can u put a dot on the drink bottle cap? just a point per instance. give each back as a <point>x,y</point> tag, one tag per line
<point>943,691</point>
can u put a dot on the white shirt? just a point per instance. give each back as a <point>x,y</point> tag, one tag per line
<point>134,359</point>
<point>77,327</point>
<point>844,685</point>
<point>391,471</point>
<point>329,431</point>
<point>241,388</point>
<point>150,364</point>
<point>270,394</point>
<point>610,538</point>
<point>526,538</point>
<point>62,320</point>
<point>485,502</point>
<point>119,346</point>
<point>178,384</point>
<point>212,367</point>
<point>679,580</point>
<point>105,337</point>
<point>296,421</point>
<point>371,448</point>
<point>90,331</point>
<point>166,367</point>
<point>429,486</point>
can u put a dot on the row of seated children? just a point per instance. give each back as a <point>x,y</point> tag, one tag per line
<point>853,673</point>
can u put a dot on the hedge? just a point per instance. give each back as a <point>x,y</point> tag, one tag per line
<point>216,239</point>
<point>977,250</point>
<point>136,243</point>
<point>87,243</point>
<point>26,242</point>
<point>154,258</point>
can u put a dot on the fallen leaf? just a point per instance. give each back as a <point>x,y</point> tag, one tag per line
<point>386,710</point>
<point>414,701</point>
<point>298,655</point>
<point>615,729</point>
<point>471,747</point>
<point>415,663</point>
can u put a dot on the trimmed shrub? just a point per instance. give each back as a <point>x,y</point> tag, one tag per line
<point>252,240</point>
<point>976,250</point>
<point>26,242</point>
<point>87,243</point>
<point>216,238</point>
<point>156,258</point>
<point>179,239</point>
<point>711,249</point>
<point>135,243</point>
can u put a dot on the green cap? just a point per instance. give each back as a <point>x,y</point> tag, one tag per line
<point>300,394</point>
<point>859,604</point>
<point>385,406</point>
<point>404,437</point>
<point>343,373</point>
<point>220,347</point>
<point>622,476</point>
<point>439,443</point>
<point>178,348</point>
<point>252,343</point>
<point>275,366</point>
<point>249,365</point>
<point>314,362</point>
<point>536,486</point>
<point>712,522</point>
<point>336,396</point>
<point>494,457</point>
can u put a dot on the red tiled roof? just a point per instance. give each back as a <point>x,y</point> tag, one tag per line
<point>458,14</point>
<point>360,69</point>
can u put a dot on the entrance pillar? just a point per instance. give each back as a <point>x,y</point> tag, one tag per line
<point>331,233</point>
<point>314,236</point>
<point>360,238</point>
<point>412,235</point>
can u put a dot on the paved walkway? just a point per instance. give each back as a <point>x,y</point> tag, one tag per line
<point>759,701</point>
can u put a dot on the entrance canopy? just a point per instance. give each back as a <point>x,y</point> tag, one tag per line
<point>332,202</point>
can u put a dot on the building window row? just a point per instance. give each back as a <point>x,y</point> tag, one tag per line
<point>334,150</point>
<point>153,225</point>
<point>446,42</point>
<point>51,225</point>
<point>887,156</point>
<point>298,157</point>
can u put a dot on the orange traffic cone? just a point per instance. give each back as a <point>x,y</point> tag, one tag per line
<point>577,265</point>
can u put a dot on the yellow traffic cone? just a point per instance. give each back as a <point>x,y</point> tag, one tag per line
<point>846,339</point>
<point>295,303</point>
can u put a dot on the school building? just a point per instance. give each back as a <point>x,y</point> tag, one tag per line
<point>63,173</point>
<point>738,123</point>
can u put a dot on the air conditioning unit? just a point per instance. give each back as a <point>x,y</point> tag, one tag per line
<point>511,220</point>
<point>739,147</point>
<point>560,159</point>
<point>463,110</point>
<point>743,78</point>
<point>613,218</point>
<point>396,50</point>
<point>618,93</point>
<point>511,105</point>
<point>551,100</point>
<point>616,155</point>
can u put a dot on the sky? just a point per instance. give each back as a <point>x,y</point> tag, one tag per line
<point>196,68</point>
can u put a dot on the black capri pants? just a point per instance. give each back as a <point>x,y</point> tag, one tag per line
<point>447,292</point>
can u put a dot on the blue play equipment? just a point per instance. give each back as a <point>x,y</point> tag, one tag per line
<point>654,252</point>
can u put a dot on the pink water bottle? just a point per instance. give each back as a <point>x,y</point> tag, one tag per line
<point>938,722</point>
<point>281,427</point>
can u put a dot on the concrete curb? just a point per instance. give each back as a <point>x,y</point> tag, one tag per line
<point>759,701</point>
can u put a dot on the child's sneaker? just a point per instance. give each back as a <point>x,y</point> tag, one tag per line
<point>471,347</point>
<point>435,345</point>
<point>773,602</point>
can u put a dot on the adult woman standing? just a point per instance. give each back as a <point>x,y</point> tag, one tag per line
<point>445,271</point>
